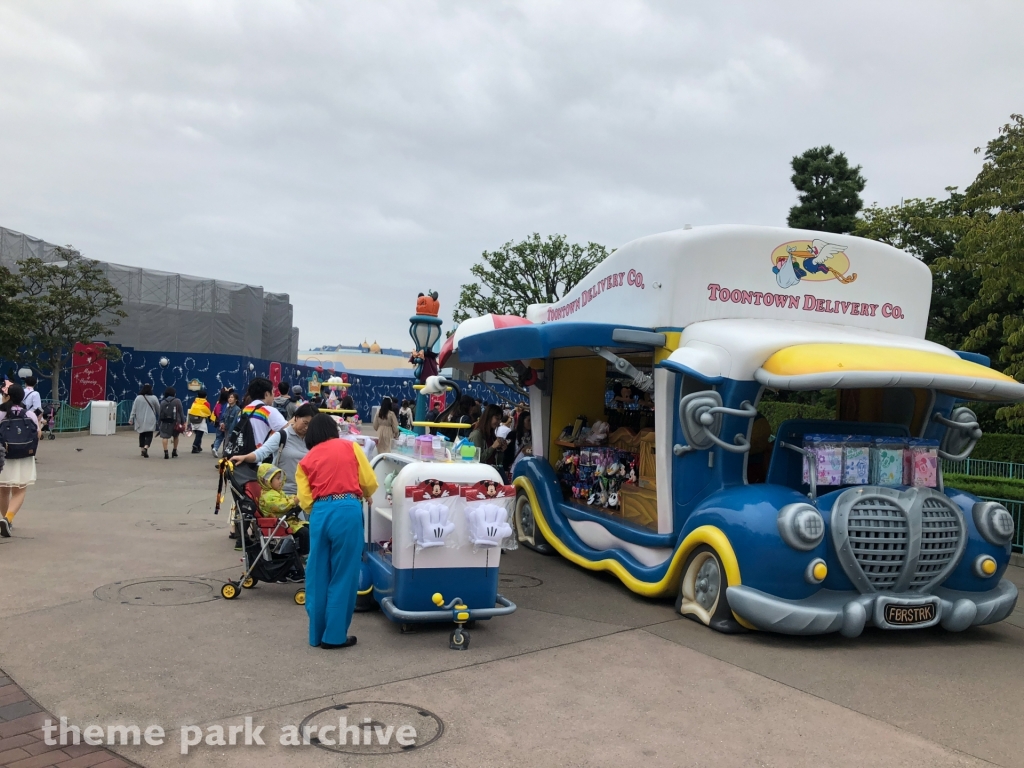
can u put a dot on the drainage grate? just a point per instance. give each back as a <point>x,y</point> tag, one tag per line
<point>182,526</point>
<point>517,581</point>
<point>165,590</point>
<point>373,719</point>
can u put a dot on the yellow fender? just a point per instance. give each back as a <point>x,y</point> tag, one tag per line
<point>669,584</point>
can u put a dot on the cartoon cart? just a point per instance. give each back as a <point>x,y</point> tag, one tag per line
<point>434,531</point>
<point>652,460</point>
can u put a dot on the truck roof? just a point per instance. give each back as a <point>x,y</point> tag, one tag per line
<point>674,279</point>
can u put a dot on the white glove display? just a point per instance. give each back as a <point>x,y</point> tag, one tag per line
<point>488,524</point>
<point>430,523</point>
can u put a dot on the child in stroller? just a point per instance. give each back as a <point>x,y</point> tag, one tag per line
<point>275,503</point>
<point>48,420</point>
<point>269,551</point>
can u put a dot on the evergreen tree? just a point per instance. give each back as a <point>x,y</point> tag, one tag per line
<point>829,191</point>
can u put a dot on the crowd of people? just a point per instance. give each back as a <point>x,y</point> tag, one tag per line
<point>309,478</point>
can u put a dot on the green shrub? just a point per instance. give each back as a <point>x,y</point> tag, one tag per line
<point>776,412</point>
<point>996,487</point>
<point>1000,447</point>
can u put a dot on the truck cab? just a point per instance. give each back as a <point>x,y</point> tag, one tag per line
<point>652,460</point>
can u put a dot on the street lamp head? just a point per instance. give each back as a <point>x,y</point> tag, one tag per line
<point>24,373</point>
<point>425,331</point>
<point>164,362</point>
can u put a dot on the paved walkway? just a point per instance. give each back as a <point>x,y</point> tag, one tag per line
<point>21,738</point>
<point>109,614</point>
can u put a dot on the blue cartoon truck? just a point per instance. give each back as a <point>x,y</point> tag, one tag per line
<point>651,457</point>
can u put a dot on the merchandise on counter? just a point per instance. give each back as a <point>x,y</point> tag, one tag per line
<point>857,460</point>
<point>887,461</point>
<point>921,463</point>
<point>828,452</point>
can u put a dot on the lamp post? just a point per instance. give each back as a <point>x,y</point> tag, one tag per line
<point>425,330</point>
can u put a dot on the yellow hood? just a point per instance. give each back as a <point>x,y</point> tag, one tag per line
<point>266,473</point>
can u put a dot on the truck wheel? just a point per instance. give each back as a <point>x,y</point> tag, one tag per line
<point>527,531</point>
<point>702,591</point>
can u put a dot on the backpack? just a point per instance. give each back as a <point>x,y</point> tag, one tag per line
<point>18,435</point>
<point>168,413</point>
<point>241,441</point>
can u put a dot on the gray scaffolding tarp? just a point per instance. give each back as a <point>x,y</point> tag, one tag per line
<point>170,312</point>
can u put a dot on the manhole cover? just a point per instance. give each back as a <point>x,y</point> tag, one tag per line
<point>183,526</point>
<point>384,728</point>
<point>160,591</point>
<point>517,581</point>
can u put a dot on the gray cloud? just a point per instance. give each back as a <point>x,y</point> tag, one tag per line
<point>353,154</point>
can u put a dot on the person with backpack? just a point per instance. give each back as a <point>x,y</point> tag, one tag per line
<point>172,421</point>
<point>19,438</point>
<point>283,398</point>
<point>145,417</point>
<point>199,417</point>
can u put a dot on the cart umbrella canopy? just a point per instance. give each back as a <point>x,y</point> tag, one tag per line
<point>450,352</point>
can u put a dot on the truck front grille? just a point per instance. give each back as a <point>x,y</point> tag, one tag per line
<point>897,541</point>
<point>879,537</point>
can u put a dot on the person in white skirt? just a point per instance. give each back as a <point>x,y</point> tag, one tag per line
<point>18,473</point>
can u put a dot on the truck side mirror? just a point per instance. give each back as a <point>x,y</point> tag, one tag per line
<point>700,416</point>
<point>962,434</point>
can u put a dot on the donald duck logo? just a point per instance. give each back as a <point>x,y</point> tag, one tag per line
<point>812,260</point>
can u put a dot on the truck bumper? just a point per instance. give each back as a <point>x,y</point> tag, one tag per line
<point>849,612</point>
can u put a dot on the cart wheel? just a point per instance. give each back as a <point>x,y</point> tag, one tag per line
<point>459,639</point>
<point>702,591</point>
<point>229,591</point>
<point>300,597</point>
<point>526,527</point>
<point>408,629</point>
<point>249,582</point>
<point>365,602</point>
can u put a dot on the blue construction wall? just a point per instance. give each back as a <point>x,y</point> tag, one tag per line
<point>135,368</point>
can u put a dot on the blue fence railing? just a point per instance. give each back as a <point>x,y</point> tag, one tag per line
<point>984,468</point>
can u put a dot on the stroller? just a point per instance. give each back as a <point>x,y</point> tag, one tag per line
<point>48,421</point>
<point>269,551</point>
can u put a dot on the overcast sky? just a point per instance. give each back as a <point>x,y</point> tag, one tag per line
<point>354,154</point>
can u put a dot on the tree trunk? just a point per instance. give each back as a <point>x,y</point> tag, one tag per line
<point>55,383</point>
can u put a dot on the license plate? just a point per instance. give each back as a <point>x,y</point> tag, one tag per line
<point>909,615</point>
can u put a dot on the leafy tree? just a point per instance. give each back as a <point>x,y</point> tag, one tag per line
<point>534,271</point>
<point>829,191</point>
<point>991,246</point>
<point>929,229</point>
<point>72,301</point>
<point>15,315</point>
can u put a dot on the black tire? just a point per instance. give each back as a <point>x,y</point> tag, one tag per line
<point>365,603</point>
<point>527,531</point>
<point>702,592</point>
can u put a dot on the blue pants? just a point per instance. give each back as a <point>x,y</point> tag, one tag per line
<point>332,571</point>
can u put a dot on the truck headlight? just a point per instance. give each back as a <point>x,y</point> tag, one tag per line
<point>801,526</point>
<point>994,523</point>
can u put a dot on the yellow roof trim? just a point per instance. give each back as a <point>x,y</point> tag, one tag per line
<point>850,366</point>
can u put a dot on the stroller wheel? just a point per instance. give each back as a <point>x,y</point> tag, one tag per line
<point>229,591</point>
<point>50,436</point>
<point>300,597</point>
<point>249,582</point>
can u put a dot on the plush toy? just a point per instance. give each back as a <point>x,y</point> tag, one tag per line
<point>389,480</point>
<point>613,500</point>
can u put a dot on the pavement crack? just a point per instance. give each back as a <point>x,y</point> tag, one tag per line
<point>122,496</point>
